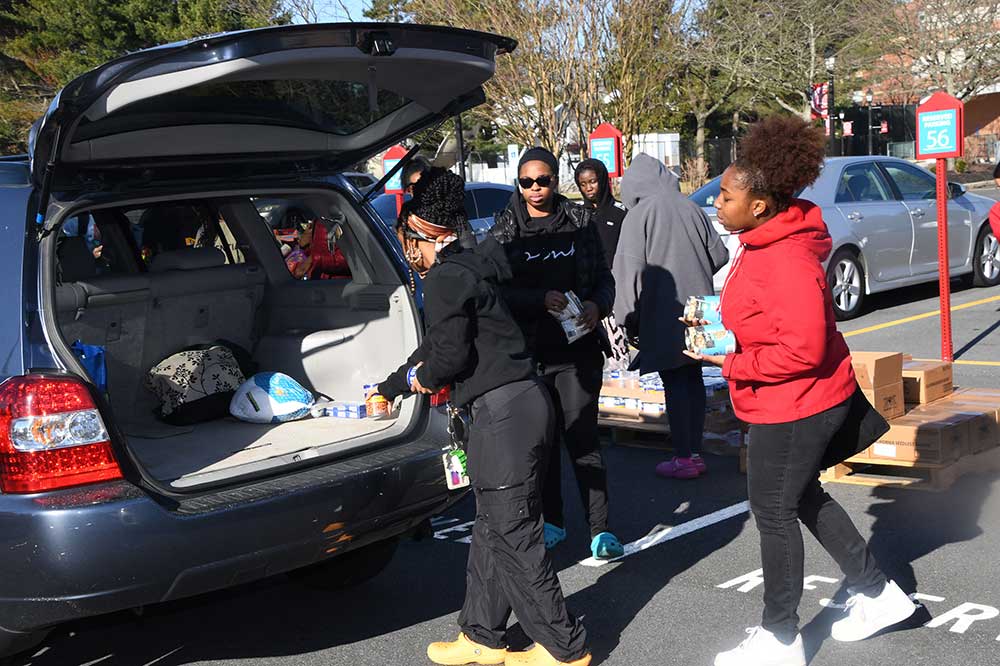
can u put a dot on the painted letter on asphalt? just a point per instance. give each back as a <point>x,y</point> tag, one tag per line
<point>746,583</point>
<point>963,616</point>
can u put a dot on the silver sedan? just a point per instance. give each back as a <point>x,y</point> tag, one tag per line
<point>882,216</point>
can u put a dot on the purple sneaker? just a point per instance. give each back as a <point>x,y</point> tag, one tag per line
<point>678,468</point>
<point>699,462</point>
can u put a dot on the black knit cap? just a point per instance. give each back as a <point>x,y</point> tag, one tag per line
<point>539,154</point>
<point>439,198</point>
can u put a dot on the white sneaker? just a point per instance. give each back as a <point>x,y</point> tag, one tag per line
<point>762,648</point>
<point>866,616</point>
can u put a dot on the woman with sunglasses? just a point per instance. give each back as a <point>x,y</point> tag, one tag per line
<point>472,342</point>
<point>554,248</point>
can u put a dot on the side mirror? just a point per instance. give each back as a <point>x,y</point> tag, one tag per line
<point>956,190</point>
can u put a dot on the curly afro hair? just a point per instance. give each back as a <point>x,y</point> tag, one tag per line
<point>439,197</point>
<point>779,156</point>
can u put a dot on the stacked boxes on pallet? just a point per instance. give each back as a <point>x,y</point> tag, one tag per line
<point>938,426</point>
<point>629,400</point>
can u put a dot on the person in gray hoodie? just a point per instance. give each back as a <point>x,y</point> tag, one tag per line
<point>667,251</point>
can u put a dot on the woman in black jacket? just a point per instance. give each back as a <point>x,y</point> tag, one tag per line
<point>594,183</point>
<point>554,248</point>
<point>472,342</point>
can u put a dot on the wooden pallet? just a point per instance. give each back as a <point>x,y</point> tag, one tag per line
<point>917,476</point>
<point>636,432</point>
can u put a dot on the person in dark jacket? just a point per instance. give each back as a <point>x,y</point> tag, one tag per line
<point>791,378</point>
<point>668,251</point>
<point>554,248</point>
<point>594,183</point>
<point>473,342</point>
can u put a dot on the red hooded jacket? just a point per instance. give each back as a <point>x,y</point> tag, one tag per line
<point>790,362</point>
<point>995,219</point>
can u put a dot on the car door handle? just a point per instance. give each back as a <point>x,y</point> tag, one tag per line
<point>855,216</point>
<point>917,212</point>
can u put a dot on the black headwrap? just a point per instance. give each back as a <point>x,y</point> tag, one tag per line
<point>604,196</point>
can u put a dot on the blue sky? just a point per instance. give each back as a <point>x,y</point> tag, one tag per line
<point>333,12</point>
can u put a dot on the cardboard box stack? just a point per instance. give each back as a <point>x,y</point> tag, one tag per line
<point>940,425</point>
<point>926,381</point>
<point>880,376</point>
<point>629,399</point>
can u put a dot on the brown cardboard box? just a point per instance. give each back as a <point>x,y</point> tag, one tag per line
<point>984,433</point>
<point>989,396</point>
<point>925,438</point>
<point>887,400</point>
<point>926,381</point>
<point>877,369</point>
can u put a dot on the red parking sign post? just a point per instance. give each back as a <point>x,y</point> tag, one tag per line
<point>940,136</point>
<point>606,146</point>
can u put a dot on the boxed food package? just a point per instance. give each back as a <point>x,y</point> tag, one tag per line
<point>931,437</point>
<point>712,340</point>
<point>569,318</point>
<point>887,400</point>
<point>877,369</point>
<point>707,308</point>
<point>926,381</point>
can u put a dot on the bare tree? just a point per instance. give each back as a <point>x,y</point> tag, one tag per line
<point>538,92</point>
<point>639,47</point>
<point>952,45</point>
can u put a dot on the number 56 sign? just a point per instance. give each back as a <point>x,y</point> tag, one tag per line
<point>940,128</point>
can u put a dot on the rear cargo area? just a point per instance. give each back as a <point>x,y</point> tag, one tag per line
<point>221,277</point>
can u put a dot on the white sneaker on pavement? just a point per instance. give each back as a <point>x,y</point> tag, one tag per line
<point>866,616</point>
<point>762,648</point>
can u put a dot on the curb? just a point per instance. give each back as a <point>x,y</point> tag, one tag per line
<point>980,185</point>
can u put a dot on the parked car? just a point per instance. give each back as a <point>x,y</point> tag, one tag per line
<point>482,201</point>
<point>362,181</point>
<point>882,216</point>
<point>106,507</point>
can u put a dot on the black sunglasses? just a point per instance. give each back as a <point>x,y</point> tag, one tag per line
<point>543,181</point>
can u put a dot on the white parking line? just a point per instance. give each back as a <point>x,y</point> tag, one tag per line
<point>662,534</point>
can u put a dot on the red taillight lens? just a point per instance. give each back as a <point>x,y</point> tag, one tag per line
<point>51,436</point>
<point>441,398</point>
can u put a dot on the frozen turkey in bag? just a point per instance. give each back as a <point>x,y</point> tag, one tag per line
<point>271,397</point>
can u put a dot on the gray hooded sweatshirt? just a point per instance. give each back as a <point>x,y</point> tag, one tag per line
<point>667,252</point>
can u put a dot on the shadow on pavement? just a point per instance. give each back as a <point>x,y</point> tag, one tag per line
<point>908,526</point>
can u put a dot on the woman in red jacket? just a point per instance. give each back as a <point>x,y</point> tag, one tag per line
<point>791,379</point>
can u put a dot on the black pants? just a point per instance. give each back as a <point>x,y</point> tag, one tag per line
<point>686,400</point>
<point>576,389</point>
<point>509,568</point>
<point>783,482</point>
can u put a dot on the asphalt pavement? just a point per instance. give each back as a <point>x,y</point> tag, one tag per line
<point>687,589</point>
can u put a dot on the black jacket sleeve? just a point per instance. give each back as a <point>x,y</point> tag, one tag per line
<point>449,307</point>
<point>603,291</point>
<point>395,384</point>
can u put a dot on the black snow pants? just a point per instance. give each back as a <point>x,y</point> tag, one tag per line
<point>509,568</point>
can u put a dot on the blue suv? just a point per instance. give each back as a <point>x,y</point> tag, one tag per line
<point>132,231</point>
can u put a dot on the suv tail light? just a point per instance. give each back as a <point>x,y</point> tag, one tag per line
<point>51,436</point>
<point>441,398</point>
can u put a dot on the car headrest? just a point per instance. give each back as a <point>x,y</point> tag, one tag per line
<point>858,186</point>
<point>76,260</point>
<point>189,259</point>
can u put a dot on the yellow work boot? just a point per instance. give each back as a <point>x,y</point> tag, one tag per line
<point>464,651</point>
<point>539,656</point>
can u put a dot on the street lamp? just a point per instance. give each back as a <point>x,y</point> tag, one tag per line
<point>841,115</point>
<point>831,62</point>
<point>869,97</point>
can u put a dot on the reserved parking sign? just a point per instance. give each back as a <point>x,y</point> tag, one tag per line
<point>940,128</point>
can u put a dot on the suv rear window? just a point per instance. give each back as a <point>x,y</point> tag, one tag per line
<point>337,107</point>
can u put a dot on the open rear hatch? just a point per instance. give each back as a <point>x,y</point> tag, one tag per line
<point>270,100</point>
<point>336,93</point>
